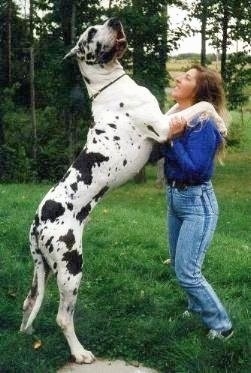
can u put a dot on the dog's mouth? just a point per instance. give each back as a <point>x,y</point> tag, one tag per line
<point>120,43</point>
<point>119,46</point>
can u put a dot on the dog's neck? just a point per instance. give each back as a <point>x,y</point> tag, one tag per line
<point>97,77</point>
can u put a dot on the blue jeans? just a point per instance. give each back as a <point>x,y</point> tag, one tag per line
<point>192,219</point>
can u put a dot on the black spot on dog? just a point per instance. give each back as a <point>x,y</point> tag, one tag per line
<point>127,115</point>
<point>90,62</point>
<point>75,291</point>
<point>81,46</point>
<point>121,104</point>
<point>83,213</point>
<point>84,163</point>
<point>94,141</point>
<point>90,56</point>
<point>33,290</point>
<point>101,193</point>
<point>116,138</point>
<point>36,220</point>
<point>124,162</point>
<point>117,117</point>
<point>91,34</point>
<point>55,265</point>
<point>98,48</point>
<point>48,243</point>
<point>51,210</point>
<point>87,80</point>
<point>35,225</point>
<point>152,130</point>
<point>74,187</point>
<point>68,239</point>
<point>105,57</point>
<point>112,125</point>
<point>69,206</point>
<point>74,262</point>
<point>98,132</point>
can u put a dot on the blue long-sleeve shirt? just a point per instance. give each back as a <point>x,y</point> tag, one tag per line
<point>190,157</point>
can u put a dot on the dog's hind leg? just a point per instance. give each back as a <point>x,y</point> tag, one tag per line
<point>34,298</point>
<point>68,285</point>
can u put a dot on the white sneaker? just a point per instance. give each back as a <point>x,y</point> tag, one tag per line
<point>223,335</point>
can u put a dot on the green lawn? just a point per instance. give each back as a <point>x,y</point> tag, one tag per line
<point>130,305</point>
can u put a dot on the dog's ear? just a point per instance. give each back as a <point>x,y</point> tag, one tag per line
<point>72,52</point>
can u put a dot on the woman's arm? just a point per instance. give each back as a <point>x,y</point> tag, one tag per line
<point>196,109</point>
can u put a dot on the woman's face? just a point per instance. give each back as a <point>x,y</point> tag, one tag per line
<point>185,87</point>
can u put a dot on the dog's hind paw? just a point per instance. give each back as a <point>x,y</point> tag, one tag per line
<point>28,330</point>
<point>83,357</point>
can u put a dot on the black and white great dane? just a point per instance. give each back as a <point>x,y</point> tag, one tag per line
<point>127,119</point>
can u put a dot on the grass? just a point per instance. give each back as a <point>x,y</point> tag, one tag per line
<point>129,305</point>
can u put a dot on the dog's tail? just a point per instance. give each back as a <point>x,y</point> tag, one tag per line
<point>35,297</point>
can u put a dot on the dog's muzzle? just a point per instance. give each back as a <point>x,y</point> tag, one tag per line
<point>121,42</point>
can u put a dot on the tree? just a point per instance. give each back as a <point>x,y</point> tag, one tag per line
<point>32,87</point>
<point>9,4</point>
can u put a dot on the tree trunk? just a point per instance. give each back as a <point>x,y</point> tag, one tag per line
<point>73,23</point>
<point>203,33</point>
<point>225,22</point>
<point>71,123</point>
<point>9,43</point>
<point>32,86</point>
<point>138,57</point>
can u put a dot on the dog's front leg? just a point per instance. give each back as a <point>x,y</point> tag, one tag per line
<point>197,109</point>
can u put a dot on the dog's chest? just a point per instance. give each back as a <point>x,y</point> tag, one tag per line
<point>116,130</point>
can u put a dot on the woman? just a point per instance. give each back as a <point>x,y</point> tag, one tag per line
<point>193,209</point>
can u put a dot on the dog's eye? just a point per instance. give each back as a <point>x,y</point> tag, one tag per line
<point>91,34</point>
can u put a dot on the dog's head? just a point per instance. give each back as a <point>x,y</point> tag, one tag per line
<point>101,44</point>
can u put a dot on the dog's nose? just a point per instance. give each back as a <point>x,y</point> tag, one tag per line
<point>114,23</point>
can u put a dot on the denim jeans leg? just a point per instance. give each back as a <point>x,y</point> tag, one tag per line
<point>199,219</point>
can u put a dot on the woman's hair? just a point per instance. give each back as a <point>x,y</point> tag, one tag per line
<point>210,89</point>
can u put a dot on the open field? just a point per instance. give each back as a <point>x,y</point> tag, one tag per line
<point>130,305</point>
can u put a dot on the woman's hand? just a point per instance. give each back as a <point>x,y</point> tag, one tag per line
<point>177,127</point>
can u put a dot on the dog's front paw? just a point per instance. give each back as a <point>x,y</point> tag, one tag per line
<point>83,357</point>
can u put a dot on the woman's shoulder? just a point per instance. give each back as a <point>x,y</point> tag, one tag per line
<point>203,121</point>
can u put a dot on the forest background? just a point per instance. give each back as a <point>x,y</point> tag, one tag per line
<point>44,107</point>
